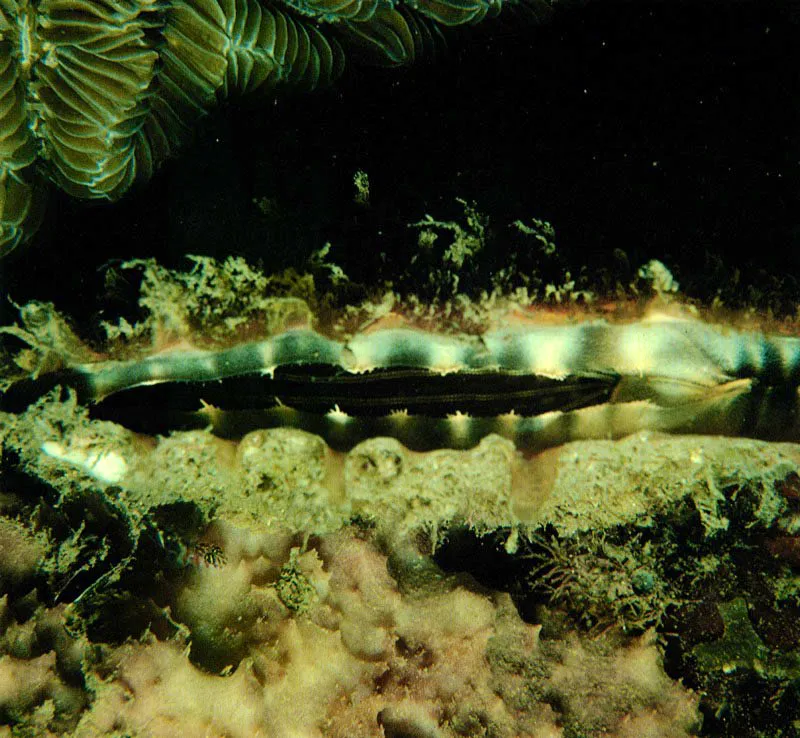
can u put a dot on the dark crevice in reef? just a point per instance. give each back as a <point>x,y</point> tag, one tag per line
<point>482,557</point>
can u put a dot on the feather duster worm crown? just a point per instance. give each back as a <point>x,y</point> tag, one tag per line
<point>94,94</point>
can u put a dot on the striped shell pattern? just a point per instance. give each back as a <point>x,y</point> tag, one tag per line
<point>539,385</point>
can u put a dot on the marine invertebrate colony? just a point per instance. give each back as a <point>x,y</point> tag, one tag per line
<point>95,95</point>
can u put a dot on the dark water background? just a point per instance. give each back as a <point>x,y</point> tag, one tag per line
<point>653,130</point>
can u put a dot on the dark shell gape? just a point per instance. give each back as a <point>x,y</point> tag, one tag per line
<point>539,386</point>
